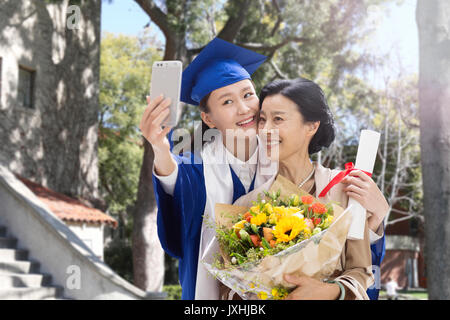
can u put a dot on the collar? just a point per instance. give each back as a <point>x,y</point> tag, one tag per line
<point>241,168</point>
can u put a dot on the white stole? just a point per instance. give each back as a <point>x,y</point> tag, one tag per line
<point>219,189</point>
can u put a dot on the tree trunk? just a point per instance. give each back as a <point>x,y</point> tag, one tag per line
<point>148,255</point>
<point>434,96</point>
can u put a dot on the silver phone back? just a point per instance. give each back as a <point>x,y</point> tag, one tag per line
<point>166,80</point>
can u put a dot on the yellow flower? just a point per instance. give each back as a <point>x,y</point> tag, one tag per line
<point>288,228</point>
<point>239,225</point>
<point>279,293</point>
<point>262,295</point>
<point>280,211</point>
<point>254,209</point>
<point>296,201</point>
<point>307,233</point>
<point>268,208</point>
<point>292,210</point>
<point>273,219</point>
<point>275,293</point>
<point>327,222</point>
<point>259,219</point>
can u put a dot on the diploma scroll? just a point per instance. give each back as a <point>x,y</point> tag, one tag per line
<point>365,160</point>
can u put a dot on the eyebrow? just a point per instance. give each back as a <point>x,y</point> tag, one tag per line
<point>229,93</point>
<point>273,112</point>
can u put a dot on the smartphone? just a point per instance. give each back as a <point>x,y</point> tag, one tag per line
<point>166,80</point>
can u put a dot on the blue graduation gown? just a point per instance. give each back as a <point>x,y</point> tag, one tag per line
<point>179,218</point>
<point>378,249</point>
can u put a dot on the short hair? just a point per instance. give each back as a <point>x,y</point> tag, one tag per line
<point>311,103</point>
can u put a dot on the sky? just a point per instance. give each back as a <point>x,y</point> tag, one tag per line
<point>397,34</point>
<point>396,30</point>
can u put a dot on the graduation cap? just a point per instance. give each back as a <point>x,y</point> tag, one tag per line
<point>219,64</point>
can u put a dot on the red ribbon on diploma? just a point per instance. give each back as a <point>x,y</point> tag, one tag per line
<point>349,167</point>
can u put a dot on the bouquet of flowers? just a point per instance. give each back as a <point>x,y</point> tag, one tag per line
<point>285,231</point>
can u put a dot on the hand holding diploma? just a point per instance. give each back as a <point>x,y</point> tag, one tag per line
<point>363,189</point>
<point>360,190</point>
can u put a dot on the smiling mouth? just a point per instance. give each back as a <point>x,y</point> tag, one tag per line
<point>247,122</point>
<point>272,143</point>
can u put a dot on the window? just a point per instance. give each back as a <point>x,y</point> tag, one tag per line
<point>26,87</point>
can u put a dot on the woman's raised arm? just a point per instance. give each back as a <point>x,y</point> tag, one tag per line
<point>155,113</point>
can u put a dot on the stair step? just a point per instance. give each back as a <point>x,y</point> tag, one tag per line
<point>7,242</point>
<point>42,293</point>
<point>13,254</point>
<point>17,280</point>
<point>19,267</point>
<point>2,231</point>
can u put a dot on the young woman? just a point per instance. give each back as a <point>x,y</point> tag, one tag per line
<point>294,123</point>
<point>188,186</point>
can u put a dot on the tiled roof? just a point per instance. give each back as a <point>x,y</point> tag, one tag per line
<point>67,208</point>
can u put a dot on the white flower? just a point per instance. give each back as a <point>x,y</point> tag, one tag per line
<point>233,260</point>
<point>298,214</point>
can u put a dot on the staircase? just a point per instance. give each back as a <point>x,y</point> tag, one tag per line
<point>20,278</point>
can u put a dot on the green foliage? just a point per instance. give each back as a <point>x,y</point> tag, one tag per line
<point>204,19</point>
<point>319,40</point>
<point>173,291</point>
<point>118,256</point>
<point>125,70</point>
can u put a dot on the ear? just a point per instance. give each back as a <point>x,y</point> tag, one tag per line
<point>207,119</point>
<point>313,127</point>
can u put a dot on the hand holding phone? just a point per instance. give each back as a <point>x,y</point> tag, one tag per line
<point>156,111</point>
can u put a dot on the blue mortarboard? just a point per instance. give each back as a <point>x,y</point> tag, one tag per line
<point>219,64</point>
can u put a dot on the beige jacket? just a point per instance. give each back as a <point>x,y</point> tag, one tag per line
<point>355,268</point>
<point>356,259</point>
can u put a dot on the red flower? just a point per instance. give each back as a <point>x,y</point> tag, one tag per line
<point>319,208</point>
<point>307,199</point>
<point>317,221</point>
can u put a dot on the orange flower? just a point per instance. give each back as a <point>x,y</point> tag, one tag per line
<point>307,199</point>
<point>319,208</point>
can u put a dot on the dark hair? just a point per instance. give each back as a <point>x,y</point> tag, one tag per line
<point>311,103</point>
<point>203,107</point>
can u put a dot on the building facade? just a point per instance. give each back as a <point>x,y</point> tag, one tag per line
<point>404,259</point>
<point>49,73</point>
<point>86,222</point>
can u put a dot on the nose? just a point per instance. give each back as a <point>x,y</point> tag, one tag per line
<point>242,108</point>
<point>267,126</point>
<point>268,131</point>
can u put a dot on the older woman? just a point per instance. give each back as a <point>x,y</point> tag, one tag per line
<point>294,123</point>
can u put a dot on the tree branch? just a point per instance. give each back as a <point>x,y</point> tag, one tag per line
<point>272,48</point>
<point>235,21</point>
<point>232,26</point>
<point>279,20</point>
<point>405,213</point>
<point>156,14</point>
<point>277,70</point>
<point>405,218</point>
